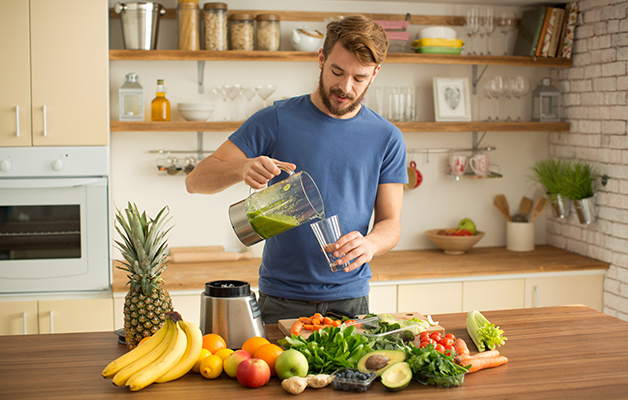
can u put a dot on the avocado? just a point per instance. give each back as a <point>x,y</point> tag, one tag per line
<point>377,361</point>
<point>397,376</point>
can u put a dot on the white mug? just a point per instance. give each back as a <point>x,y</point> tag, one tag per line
<point>457,164</point>
<point>480,163</point>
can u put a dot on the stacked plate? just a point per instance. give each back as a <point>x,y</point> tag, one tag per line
<point>437,40</point>
<point>196,111</point>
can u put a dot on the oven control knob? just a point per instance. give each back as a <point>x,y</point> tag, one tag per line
<point>5,165</point>
<point>58,165</point>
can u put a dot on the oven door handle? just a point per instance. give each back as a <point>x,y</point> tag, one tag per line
<point>50,183</point>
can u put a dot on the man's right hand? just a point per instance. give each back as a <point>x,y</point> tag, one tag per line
<point>262,169</point>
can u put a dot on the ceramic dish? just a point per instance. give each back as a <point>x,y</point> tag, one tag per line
<point>437,50</point>
<point>438,42</point>
<point>454,245</point>
<point>442,32</point>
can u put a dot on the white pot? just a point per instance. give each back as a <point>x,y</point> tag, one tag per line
<point>304,39</point>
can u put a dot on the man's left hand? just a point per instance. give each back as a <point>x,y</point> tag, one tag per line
<point>354,246</point>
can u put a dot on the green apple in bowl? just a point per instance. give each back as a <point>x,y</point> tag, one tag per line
<point>468,225</point>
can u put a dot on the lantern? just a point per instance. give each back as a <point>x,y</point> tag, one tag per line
<point>131,99</point>
<point>546,102</point>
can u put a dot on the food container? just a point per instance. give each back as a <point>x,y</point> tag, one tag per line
<point>140,24</point>
<point>241,32</point>
<point>215,26</point>
<point>438,42</point>
<point>453,245</point>
<point>268,32</point>
<point>351,379</point>
<point>437,50</point>
<point>439,381</point>
<point>188,25</point>
<point>441,32</point>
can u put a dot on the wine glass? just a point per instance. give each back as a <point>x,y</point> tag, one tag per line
<point>508,96</point>
<point>507,22</point>
<point>498,88</point>
<point>222,94</point>
<point>233,92</point>
<point>488,93</point>
<point>520,86</point>
<point>489,27</point>
<point>472,27</point>
<point>264,91</point>
<point>248,93</point>
<point>481,29</point>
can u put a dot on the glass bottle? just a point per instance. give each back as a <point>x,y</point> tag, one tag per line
<point>268,34</point>
<point>188,25</point>
<point>131,99</point>
<point>215,18</point>
<point>160,107</point>
<point>241,32</point>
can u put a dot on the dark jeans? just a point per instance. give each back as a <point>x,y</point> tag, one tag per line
<point>276,308</point>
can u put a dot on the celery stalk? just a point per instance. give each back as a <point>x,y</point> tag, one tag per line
<point>484,334</point>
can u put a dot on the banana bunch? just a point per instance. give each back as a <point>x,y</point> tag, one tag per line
<point>168,355</point>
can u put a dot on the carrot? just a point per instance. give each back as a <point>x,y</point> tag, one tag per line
<point>296,328</point>
<point>484,354</point>
<point>327,321</point>
<point>318,315</point>
<point>461,348</point>
<point>316,321</point>
<point>336,323</point>
<point>479,363</point>
<point>306,320</point>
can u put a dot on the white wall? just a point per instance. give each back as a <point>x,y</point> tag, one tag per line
<point>438,202</point>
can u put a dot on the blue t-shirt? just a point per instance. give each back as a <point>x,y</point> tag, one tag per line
<point>348,159</point>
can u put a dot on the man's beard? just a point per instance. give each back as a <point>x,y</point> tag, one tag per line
<point>325,98</point>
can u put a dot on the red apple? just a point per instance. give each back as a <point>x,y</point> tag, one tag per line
<point>233,360</point>
<point>253,373</point>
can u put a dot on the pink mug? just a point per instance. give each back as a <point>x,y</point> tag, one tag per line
<point>457,164</point>
<point>480,164</point>
<point>414,177</point>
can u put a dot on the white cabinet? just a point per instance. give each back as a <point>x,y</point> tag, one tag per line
<point>187,304</point>
<point>556,291</point>
<point>54,73</point>
<point>383,299</point>
<point>497,294</point>
<point>56,316</point>
<point>430,298</point>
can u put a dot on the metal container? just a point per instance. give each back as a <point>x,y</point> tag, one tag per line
<point>561,206</point>
<point>230,309</point>
<point>140,24</point>
<point>586,210</point>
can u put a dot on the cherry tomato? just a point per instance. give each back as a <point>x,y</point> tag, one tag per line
<point>439,347</point>
<point>446,341</point>
<point>435,336</point>
<point>424,334</point>
<point>450,335</point>
<point>449,347</point>
<point>424,344</point>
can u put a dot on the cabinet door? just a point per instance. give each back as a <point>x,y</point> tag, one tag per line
<point>69,61</point>
<point>383,299</point>
<point>492,295</point>
<point>18,317</point>
<point>565,290</point>
<point>78,315</point>
<point>189,306</point>
<point>15,78</point>
<point>430,298</point>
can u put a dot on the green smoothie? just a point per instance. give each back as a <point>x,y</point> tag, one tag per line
<point>270,225</point>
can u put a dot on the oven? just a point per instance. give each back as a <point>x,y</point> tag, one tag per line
<point>54,222</point>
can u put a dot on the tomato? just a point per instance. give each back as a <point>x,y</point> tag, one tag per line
<point>439,347</point>
<point>450,335</point>
<point>423,345</point>
<point>446,341</point>
<point>435,336</point>
<point>424,334</point>
<point>449,347</point>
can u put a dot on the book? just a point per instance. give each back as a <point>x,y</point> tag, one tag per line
<point>544,37</point>
<point>558,27</point>
<point>566,47</point>
<point>529,31</point>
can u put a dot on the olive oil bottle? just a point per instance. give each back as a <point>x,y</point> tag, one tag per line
<point>160,107</point>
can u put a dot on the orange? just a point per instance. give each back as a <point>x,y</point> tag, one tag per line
<point>253,343</point>
<point>224,353</point>
<point>211,367</point>
<point>213,342</point>
<point>269,353</point>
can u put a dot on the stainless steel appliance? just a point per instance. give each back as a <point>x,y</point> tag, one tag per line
<point>54,224</point>
<point>230,309</point>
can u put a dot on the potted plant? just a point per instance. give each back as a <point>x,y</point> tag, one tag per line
<point>579,182</point>
<point>549,174</point>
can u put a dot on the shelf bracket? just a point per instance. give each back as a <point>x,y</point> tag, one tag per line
<point>199,145</point>
<point>201,76</point>
<point>475,79</point>
<point>475,142</point>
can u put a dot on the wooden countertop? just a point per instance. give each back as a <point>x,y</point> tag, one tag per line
<point>549,349</point>
<point>392,266</point>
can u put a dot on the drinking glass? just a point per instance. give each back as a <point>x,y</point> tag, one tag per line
<point>489,27</point>
<point>508,96</point>
<point>520,86</point>
<point>248,93</point>
<point>472,27</point>
<point>264,91</point>
<point>327,232</point>
<point>497,86</point>
<point>481,30</point>
<point>507,22</point>
<point>233,92</point>
<point>222,94</point>
<point>488,93</point>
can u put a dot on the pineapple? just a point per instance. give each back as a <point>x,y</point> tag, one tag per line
<point>144,250</point>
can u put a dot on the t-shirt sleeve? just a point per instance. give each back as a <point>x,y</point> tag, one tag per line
<point>257,135</point>
<point>394,165</point>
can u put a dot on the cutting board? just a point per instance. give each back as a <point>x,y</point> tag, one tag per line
<point>286,324</point>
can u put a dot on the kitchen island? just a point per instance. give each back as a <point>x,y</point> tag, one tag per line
<point>550,349</point>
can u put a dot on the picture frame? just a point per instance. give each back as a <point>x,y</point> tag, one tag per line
<point>451,99</point>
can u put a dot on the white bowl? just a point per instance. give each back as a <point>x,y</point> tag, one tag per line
<point>196,115</point>
<point>195,106</point>
<point>437,32</point>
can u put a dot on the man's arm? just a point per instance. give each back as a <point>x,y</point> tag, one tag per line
<point>229,165</point>
<point>384,235</point>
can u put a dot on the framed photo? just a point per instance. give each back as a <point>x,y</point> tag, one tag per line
<point>451,99</point>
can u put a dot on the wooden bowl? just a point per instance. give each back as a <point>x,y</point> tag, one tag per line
<point>454,245</point>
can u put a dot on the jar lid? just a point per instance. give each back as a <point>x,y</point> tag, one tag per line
<point>215,6</point>
<point>227,288</point>
<point>239,17</point>
<point>267,17</point>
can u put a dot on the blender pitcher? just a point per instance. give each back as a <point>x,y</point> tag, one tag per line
<point>277,208</point>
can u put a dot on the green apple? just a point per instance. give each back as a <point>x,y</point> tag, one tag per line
<point>468,225</point>
<point>291,363</point>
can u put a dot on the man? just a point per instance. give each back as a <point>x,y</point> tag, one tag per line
<point>356,158</point>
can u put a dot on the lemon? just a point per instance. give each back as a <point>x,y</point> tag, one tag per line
<point>211,367</point>
<point>223,353</point>
<point>204,353</point>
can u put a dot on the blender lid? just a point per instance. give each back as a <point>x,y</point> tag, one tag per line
<point>227,288</point>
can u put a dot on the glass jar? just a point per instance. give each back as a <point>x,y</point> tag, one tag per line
<point>215,23</point>
<point>241,32</point>
<point>188,20</point>
<point>268,34</point>
<point>131,99</point>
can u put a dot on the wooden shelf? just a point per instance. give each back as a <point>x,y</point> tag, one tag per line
<point>230,126</point>
<point>298,56</point>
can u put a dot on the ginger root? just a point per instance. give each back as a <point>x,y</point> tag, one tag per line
<point>319,381</point>
<point>294,384</point>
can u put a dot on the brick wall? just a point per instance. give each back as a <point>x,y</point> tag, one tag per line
<point>595,101</point>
